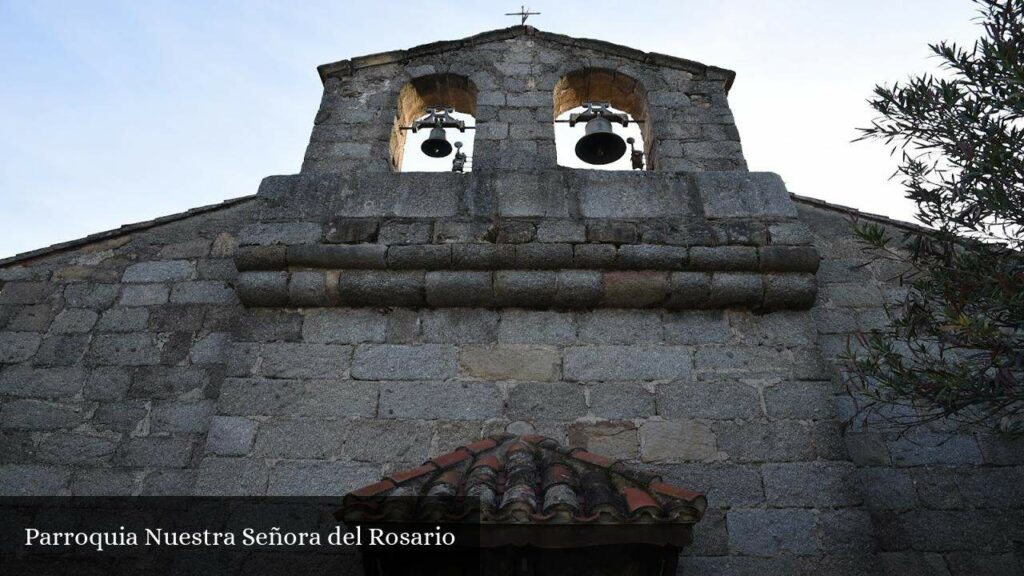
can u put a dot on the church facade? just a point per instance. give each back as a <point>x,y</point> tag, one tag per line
<point>354,320</point>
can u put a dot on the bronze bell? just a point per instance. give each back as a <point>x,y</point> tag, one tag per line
<point>436,146</point>
<point>600,145</point>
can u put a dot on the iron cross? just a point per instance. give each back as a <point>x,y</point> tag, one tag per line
<point>523,13</point>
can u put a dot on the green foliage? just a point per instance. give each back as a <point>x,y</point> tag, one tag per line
<point>955,345</point>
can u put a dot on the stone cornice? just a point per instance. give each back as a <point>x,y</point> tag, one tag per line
<point>343,68</point>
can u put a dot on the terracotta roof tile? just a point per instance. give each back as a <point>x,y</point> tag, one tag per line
<point>446,460</point>
<point>533,479</point>
<point>402,476</point>
<point>374,489</point>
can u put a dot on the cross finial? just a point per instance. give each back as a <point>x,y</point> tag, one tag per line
<point>523,13</point>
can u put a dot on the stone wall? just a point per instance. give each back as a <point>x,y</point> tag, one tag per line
<point>943,499</point>
<point>515,72</point>
<point>222,352</point>
<point>107,385</point>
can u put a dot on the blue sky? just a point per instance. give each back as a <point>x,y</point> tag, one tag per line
<point>116,112</point>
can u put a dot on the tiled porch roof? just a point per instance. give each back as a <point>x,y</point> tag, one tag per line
<point>534,480</point>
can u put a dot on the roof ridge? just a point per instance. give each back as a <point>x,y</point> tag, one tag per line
<point>121,231</point>
<point>496,469</point>
<point>860,214</point>
<point>347,67</point>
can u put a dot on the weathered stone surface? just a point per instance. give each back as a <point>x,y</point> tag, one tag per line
<point>33,480</point>
<point>318,478</point>
<point>25,292</point>
<point>388,441</point>
<point>538,401</point>
<point>18,346</point>
<point>393,232</point>
<point>675,441</point>
<point>743,194</point>
<point>287,233</point>
<point>725,485</point>
<point>789,291</point>
<point>434,400</point>
<point>651,257</point>
<point>561,231</point>
<point>811,484</point>
<point>287,360</point>
<point>617,440</point>
<point>772,532</point>
<point>540,327</point>
<point>420,257</point>
<point>459,289</point>
<point>525,288</point>
<point>718,400</point>
<point>607,195</point>
<point>807,400</point>
<point>306,438</point>
<point>104,482</point>
<point>231,477</point>
<point>398,362</point>
<point>627,362</point>
<point>381,288</point>
<point>460,326</point>
<point>926,448</point>
<point>40,415</point>
<point>164,271</point>
<point>62,349</point>
<point>74,320</point>
<point>352,230</point>
<point>615,400</point>
<point>354,256</point>
<point>181,416</point>
<point>124,320</point>
<point>620,327</point>
<point>344,326</point>
<point>73,448</point>
<point>733,361</point>
<point>510,362</point>
<point>42,382</point>
<point>144,294</point>
<point>550,256</point>
<point>250,258</point>
<point>634,289</point>
<point>137,349</point>
<point>781,441</point>
<point>33,318</point>
<point>230,436</point>
<point>263,288</point>
<point>722,258</point>
<point>203,292</point>
<point>120,416</point>
<point>594,256</point>
<point>309,288</point>
<point>789,259</point>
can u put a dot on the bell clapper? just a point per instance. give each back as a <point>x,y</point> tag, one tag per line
<point>635,156</point>
<point>459,162</point>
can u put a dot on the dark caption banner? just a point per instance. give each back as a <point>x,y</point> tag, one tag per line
<point>209,536</point>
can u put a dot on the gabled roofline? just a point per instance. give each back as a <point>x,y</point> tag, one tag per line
<point>343,68</point>
<point>858,215</point>
<point>122,231</point>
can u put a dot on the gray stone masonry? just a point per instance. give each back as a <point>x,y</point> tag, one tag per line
<point>684,320</point>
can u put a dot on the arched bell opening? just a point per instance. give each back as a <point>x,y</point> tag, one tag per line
<point>600,121</point>
<point>434,125</point>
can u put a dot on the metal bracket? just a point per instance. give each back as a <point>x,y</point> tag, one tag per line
<point>438,117</point>
<point>598,110</point>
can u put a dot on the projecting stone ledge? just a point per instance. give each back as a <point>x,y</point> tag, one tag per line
<point>537,289</point>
